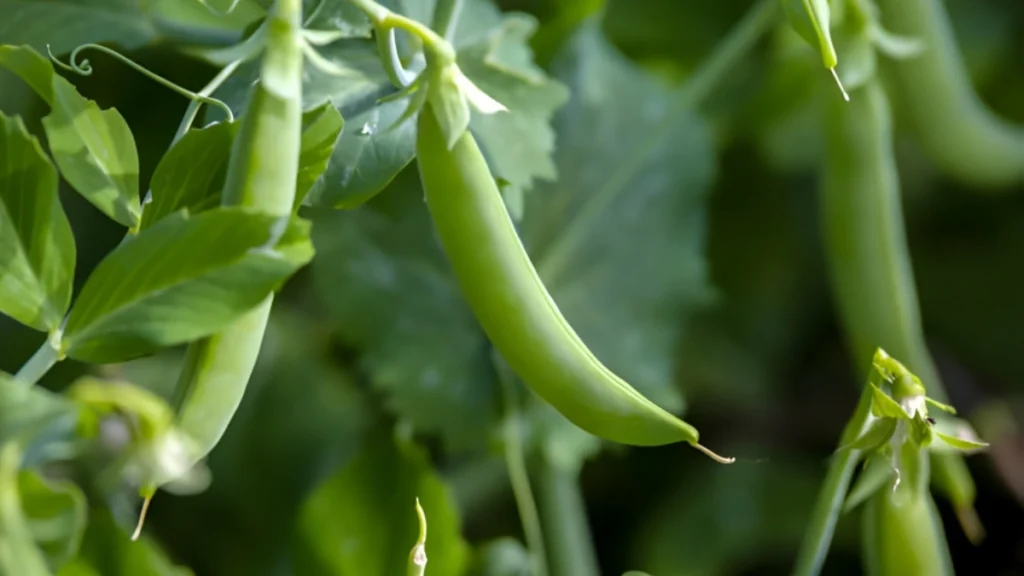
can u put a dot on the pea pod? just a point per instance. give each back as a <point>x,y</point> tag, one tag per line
<point>514,308</point>
<point>261,175</point>
<point>964,138</point>
<point>903,533</point>
<point>812,20</point>
<point>870,267</point>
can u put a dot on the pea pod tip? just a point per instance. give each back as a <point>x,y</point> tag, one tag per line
<point>716,457</point>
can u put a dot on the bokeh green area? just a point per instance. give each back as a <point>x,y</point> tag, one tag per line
<point>702,280</point>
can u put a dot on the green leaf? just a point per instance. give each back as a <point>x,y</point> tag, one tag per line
<point>37,248</point>
<point>959,444</point>
<point>66,24</point>
<point>878,433</point>
<point>370,153</point>
<point>367,506</point>
<point>944,407</point>
<point>107,550</point>
<point>388,285</point>
<point>55,510</point>
<point>321,128</point>
<point>93,148</point>
<point>191,174</point>
<point>883,406</point>
<point>518,143</point>
<point>31,66</point>
<point>95,151</point>
<point>18,552</point>
<point>182,279</point>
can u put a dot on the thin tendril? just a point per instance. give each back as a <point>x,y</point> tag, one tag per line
<point>84,67</point>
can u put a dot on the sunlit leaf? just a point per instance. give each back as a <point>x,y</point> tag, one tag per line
<point>182,279</point>
<point>321,128</point>
<point>191,174</point>
<point>95,151</point>
<point>37,249</point>
<point>883,405</point>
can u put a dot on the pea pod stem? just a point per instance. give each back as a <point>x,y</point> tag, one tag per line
<point>732,49</point>
<point>564,517</point>
<point>515,461</point>
<point>384,20</point>
<point>868,257</point>
<point>446,17</point>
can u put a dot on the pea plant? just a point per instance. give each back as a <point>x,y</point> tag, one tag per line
<point>403,273</point>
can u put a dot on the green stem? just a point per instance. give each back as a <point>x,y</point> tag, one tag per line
<point>385,20</point>
<point>38,365</point>
<point>515,461</point>
<point>818,537</point>
<point>446,16</point>
<point>732,49</point>
<point>564,518</point>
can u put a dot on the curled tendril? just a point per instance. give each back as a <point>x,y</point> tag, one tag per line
<point>84,67</point>
<point>387,45</point>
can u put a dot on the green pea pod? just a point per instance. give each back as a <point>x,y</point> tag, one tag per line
<point>811,19</point>
<point>903,535</point>
<point>965,139</point>
<point>869,261</point>
<point>514,308</point>
<point>261,174</point>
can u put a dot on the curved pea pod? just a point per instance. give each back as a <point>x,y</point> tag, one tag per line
<point>513,306</point>
<point>964,138</point>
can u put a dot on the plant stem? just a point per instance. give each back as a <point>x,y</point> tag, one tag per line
<point>446,17</point>
<point>515,461</point>
<point>564,517</point>
<point>730,50</point>
<point>818,537</point>
<point>38,365</point>
<point>384,20</point>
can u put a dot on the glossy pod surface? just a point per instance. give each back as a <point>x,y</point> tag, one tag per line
<point>512,305</point>
<point>965,139</point>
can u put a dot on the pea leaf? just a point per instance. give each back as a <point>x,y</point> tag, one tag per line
<point>95,151</point>
<point>878,433</point>
<point>93,148</point>
<point>368,505</point>
<point>369,155</point>
<point>191,174</point>
<point>386,282</point>
<point>56,515</point>
<point>107,550</point>
<point>18,552</point>
<point>883,405</point>
<point>518,143</point>
<point>66,24</point>
<point>37,248</point>
<point>182,279</point>
<point>388,285</point>
<point>321,128</point>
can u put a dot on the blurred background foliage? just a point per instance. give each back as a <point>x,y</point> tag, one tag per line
<point>700,278</point>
